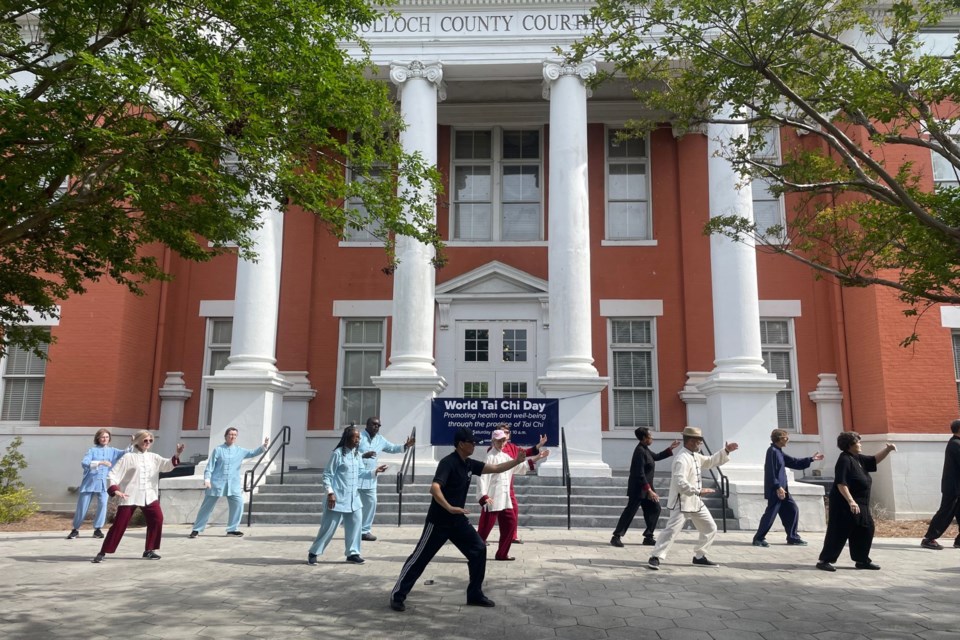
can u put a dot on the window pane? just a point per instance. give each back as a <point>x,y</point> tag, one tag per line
<point>221,332</point>
<point>475,390</point>
<point>521,222</point>
<point>476,345</point>
<point>473,222</point>
<point>514,345</point>
<point>628,221</point>
<point>218,360</point>
<point>778,362</point>
<point>627,182</point>
<point>774,332</point>
<point>632,332</point>
<point>521,182</point>
<point>353,368</point>
<point>785,409</point>
<point>629,148</point>
<point>472,145</point>
<point>514,389</point>
<point>521,145</point>
<point>473,184</point>
<point>373,332</point>
<point>633,408</point>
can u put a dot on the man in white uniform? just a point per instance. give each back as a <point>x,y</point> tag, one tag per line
<point>686,489</point>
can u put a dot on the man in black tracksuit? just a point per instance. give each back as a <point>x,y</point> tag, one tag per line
<point>950,490</point>
<point>640,491</point>
<point>447,520</point>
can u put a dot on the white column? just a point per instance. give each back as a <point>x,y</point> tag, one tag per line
<point>829,400</point>
<point>410,381</point>
<point>248,393</point>
<point>296,403</point>
<point>173,395</point>
<point>570,374</point>
<point>741,394</point>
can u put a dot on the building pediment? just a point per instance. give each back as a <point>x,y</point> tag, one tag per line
<point>493,279</point>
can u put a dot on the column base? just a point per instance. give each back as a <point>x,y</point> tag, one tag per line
<point>748,504</point>
<point>580,419</point>
<point>741,408</point>
<point>405,404</point>
<point>251,401</point>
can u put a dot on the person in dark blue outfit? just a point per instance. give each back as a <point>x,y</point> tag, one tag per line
<point>779,500</point>
<point>447,520</point>
<point>640,491</point>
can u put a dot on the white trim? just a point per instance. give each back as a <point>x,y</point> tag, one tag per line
<point>497,243</point>
<point>630,308</point>
<point>950,317</point>
<point>362,308</point>
<point>36,320</point>
<point>341,352</point>
<point>216,309</point>
<point>628,243</point>
<point>780,309</point>
<point>645,161</point>
<point>361,244</point>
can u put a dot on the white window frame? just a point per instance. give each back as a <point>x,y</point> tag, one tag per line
<point>955,339</point>
<point>36,320</point>
<point>793,383</point>
<point>496,164</point>
<point>944,173</point>
<point>343,347</point>
<point>209,347</point>
<point>654,370</point>
<point>609,133</point>
<point>760,194</point>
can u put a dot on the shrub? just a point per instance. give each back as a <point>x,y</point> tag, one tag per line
<point>16,501</point>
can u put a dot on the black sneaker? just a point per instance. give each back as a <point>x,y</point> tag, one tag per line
<point>482,601</point>
<point>649,541</point>
<point>615,541</point>
<point>931,544</point>
<point>237,534</point>
<point>355,559</point>
<point>654,563</point>
<point>826,566</point>
<point>397,605</point>
<point>151,555</point>
<point>798,542</point>
<point>73,534</point>
<point>867,565</point>
<point>704,562</point>
<point>761,543</point>
<point>311,558</point>
<point>193,534</point>
<point>97,533</point>
<point>368,537</point>
<point>97,559</point>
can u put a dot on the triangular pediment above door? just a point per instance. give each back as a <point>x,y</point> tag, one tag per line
<point>491,280</point>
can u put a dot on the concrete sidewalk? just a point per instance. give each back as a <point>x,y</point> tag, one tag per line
<point>566,584</point>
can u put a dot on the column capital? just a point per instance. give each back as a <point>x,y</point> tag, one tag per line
<point>432,72</point>
<point>553,70</point>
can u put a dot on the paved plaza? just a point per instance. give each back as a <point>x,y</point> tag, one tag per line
<point>564,584</point>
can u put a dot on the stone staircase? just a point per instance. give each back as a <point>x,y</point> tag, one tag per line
<point>595,502</point>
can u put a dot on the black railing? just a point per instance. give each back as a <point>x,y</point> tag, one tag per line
<point>724,484</point>
<point>409,459</point>
<point>565,471</point>
<point>278,445</point>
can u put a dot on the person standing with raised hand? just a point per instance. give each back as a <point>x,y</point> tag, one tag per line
<point>96,468</point>
<point>371,444</point>
<point>222,480</point>
<point>640,491</point>
<point>777,492</point>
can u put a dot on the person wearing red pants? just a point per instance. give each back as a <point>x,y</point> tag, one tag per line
<point>487,519</point>
<point>136,480</point>
<point>494,492</point>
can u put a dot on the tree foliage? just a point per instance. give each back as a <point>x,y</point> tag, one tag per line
<point>131,122</point>
<point>858,92</point>
<point>16,500</point>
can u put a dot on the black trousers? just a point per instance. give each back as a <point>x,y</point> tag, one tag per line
<point>844,526</point>
<point>651,515</point>
<point>949,509</point>
<point>464,537</point>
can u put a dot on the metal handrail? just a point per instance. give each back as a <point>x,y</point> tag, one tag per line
<point>565,470</point>
<point>409,458</point>
<point>280,442</point>
<point>724,485</point>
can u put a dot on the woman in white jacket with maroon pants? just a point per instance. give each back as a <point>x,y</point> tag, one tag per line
<point>136,479</point>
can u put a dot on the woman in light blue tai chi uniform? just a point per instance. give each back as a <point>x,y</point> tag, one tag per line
<point>96,465</point>
<point>341,482</point>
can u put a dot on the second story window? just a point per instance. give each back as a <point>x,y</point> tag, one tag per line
<point>497,177</point>
<point>628,200</point>
<point>768,209</point>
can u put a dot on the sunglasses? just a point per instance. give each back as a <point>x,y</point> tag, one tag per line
<point>147,441</point>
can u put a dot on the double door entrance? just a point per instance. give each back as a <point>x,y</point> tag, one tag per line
<point>496,359</point>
